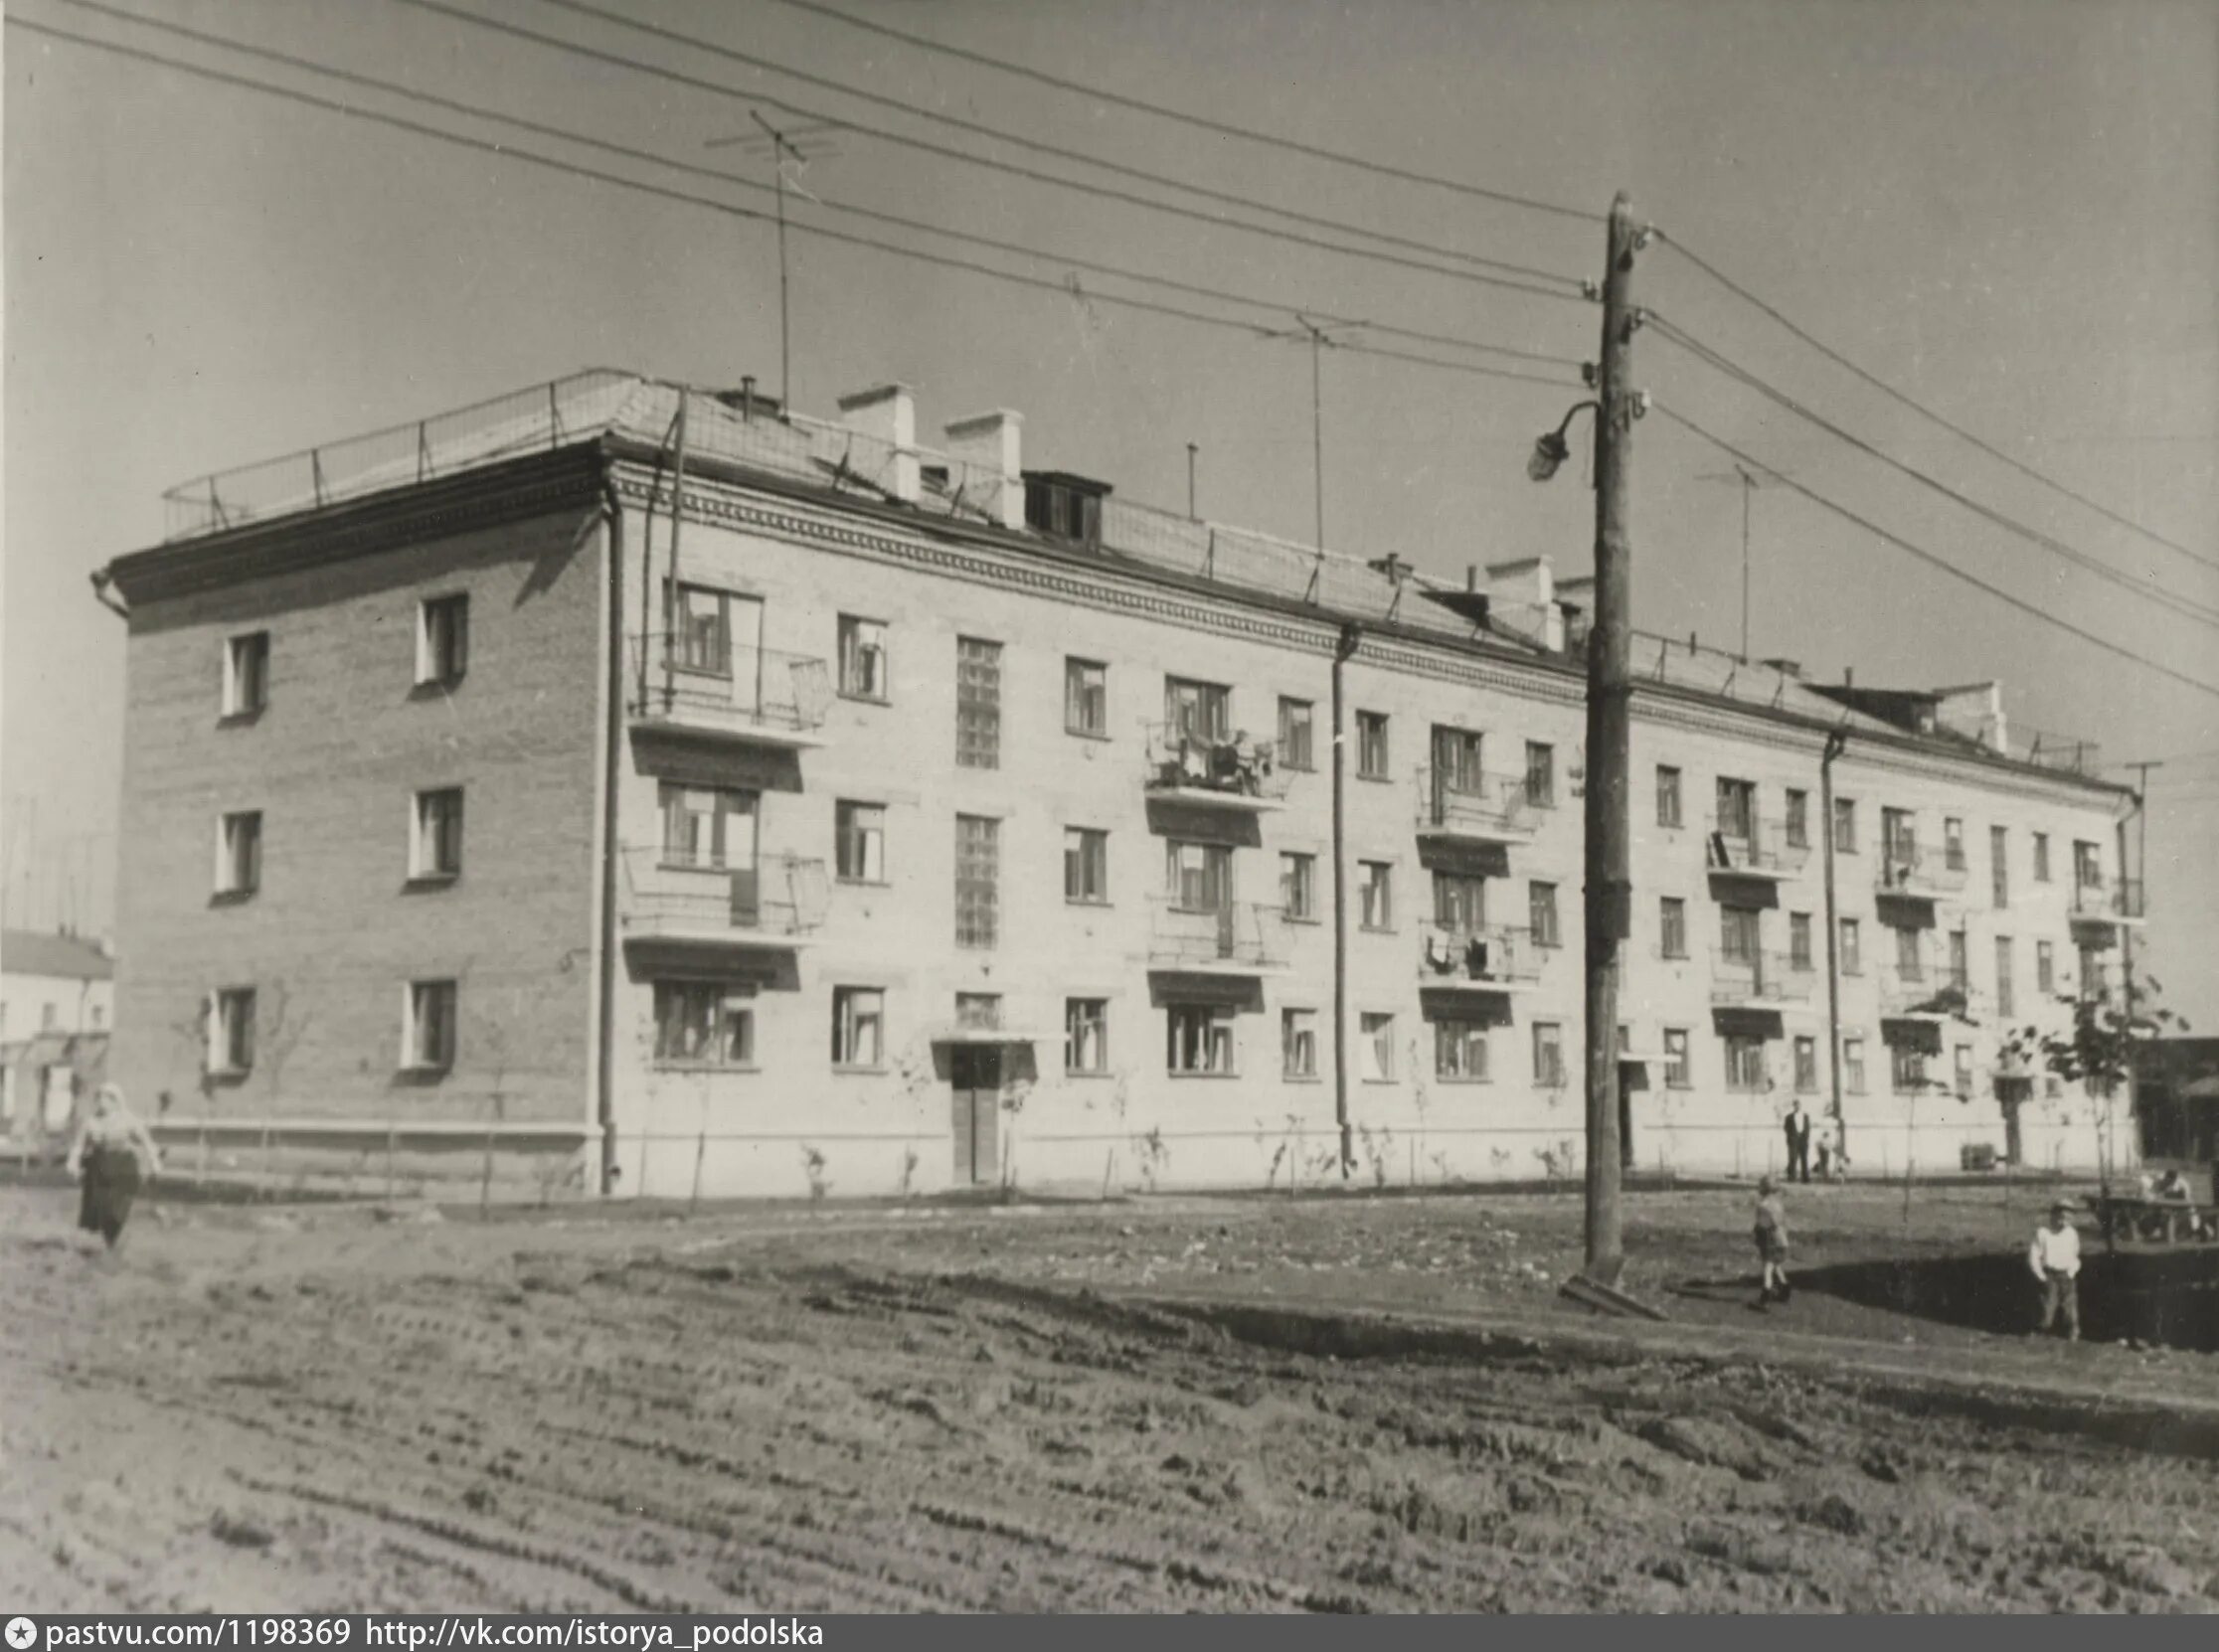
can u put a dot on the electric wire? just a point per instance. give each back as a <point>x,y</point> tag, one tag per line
<point>1927,556</point>
<point>964,157</point>
<point>478,111</point>
<point>2186,606</point>
<point>512,153</point>
<point>1222,128</point>
<point>1888,390</point>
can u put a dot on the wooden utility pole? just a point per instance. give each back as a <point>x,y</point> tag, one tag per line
<point>1608,893</point>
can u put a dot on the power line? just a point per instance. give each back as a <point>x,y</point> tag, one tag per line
<point>895,220</point>
<point>2185,606</point>
<point>1929,558</point>
<point>508,151</point>
<point>1222,128</point>
<point>1886,388</point>
<point>926,145</point>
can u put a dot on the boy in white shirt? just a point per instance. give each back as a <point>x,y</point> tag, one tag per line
<point>2056,1261</point>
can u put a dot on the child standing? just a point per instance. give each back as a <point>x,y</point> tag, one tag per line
<point>1772,1243</point>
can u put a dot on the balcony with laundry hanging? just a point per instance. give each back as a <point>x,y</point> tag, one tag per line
<point>1486,960</point>
<point>1193,767</point>
<point>1918,991</point>
<point>721,906</point>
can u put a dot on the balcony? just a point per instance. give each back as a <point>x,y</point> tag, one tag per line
<point>1240,938</point>
<point>748,696</point>
<point>1907,874</point>
<point>1921,994</point>
<point>1760,981</point>
<point>773,906</point>
<point>1212,774</point>
<point>1487,960</point>
<point>2108,905</point>
<point>1475,808</point>
<point>1757,850</point>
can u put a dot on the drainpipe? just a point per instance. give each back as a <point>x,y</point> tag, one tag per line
<point>1836,739</point>
<point>605,1078</point>
<point>1350,637</point>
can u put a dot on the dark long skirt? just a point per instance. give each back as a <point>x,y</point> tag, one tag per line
<point>112,1182</point>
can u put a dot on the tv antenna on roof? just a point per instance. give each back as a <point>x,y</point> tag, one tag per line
<point>1749,481</point>
<point>790,147</point>
<point>1319,334</point>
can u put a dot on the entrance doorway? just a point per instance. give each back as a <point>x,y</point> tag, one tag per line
<point>975,1076</point>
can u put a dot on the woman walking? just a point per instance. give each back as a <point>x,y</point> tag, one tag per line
<point>112,1154</point>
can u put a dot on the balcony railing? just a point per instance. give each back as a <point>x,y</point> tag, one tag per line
<point>2117,903</point>
<point>1754,849</point>
<point>1492,808</point>
<point>1929,994</point>
<point>1488,959</point>
<point>670,894</point>
<point>1240,937</point>
<point>1757,980</point>
<point>758,695</point>
<point>1229,774</point>
<point>1917,876</point>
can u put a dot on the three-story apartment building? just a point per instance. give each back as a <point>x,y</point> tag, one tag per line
<point>657,792</point>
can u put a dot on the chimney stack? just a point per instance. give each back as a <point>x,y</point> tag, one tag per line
<point>888,413</point>
<point>989,447</point>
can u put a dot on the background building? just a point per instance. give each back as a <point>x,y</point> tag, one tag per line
<point>57,1002</point>
<point>891,818</point>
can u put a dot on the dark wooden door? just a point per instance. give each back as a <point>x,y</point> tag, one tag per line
<point>975,1104</point>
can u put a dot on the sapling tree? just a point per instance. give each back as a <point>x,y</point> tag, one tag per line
<point>2096,1048</point>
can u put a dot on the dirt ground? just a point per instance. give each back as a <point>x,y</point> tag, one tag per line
<point>1353,1403</point>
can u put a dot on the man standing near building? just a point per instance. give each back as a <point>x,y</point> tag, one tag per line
<point>1798,1128</point>
<point>2056,1259</point>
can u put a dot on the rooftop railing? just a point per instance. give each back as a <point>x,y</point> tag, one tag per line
<point>1203,768</point>
<point>1758,978</point>
<point>678,894</point>
<point>1490,806</point>
<point>1241,936</point>
<point>710,683</point>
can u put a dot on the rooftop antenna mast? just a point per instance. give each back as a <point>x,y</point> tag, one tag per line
<point>788,147</point>
<point>1319,335</point>
<point>1749,482</point>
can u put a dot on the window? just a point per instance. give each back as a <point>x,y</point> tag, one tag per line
<point>1377,1048</point>
<point>1671,926</point>
<point>1371,745</point>
<point>863,663</point>
<point>1299,1044</point>
<point>1845,826</point>
<point>442,643</point>
<point>1678,1073</point>
<point>1375,882</point>
<point>1852,947</point>
<point>246,674</point>
<point>1799,940</point>
<point>2091,972</point>
<point>1906,1070</point>
<point>2006,999</point>
<point>1799,819</point>
<point>1853,1066</point>
<point>977,880</point>
<point>1908,963</point>
<point>1899,838</point>
<point>1086,1035</point>
<point>980,1011</point>
<point>1460,1051</point>
<point>231,1032</point>
<point>1295,724</point>
<point>2087,865</point>
<point>859,842</point>
<point>977,704</point>
<point>1548,1053</point>
<point>1667,796</point>
<point>1806,1065</point>
<point>1739,928</point>
<point>1198,711</point>
<point>1459,901</point>
<point>1745,1064</point>
<point>2045,967</point>
<point>435,845</point>
<point>1541,914</point>
<point>858,1027</point>
<point>2041,858</point>
<point>1961,1069</point>
<point>1298,887</point>
<point>48,1014</point>
<point>1457,755</point>
<point>1540,783</point>
<point>238,854</point>
<point>428,1038</point>
<point>703,826</point>
<point>705,1023</point>
<point>1999,864</point>
<point>704,620</point>
<point>1737,807</point>
<point>1961,973</point>
<point>1086,697</point>
<point>1086,866</point>
<point>1953,843</point>
<point>1199,1039</point>
<point>1198,876</point>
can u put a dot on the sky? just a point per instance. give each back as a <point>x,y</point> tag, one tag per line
<point>2007,209</point>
